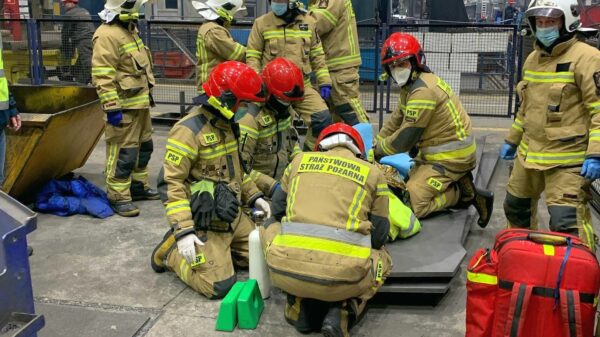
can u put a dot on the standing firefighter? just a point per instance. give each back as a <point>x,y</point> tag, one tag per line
<point>202,186</point>
<point>557,128</point>
<point>214,43</point>
<point>326,252</point>
<point>288,31</point>
<point>336,25</point>
<point>268,140</point>
<point>122,75</point>
<point>76,36</point>
<point>430,119</point>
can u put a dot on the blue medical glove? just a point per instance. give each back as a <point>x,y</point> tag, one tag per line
<point>591,169</point>
<point>115,117</point>
<point>326,92</point>
<point>508,151</point>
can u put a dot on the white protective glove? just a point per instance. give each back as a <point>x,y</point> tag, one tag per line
<point>261,205</point>
<point>186,247</point>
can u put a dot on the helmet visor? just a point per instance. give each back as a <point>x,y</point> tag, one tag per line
<point>544,12</point>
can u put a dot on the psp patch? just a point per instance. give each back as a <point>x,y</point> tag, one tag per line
<point>173,157</point>
<point>210,138</point>
<point>436,184</point>
<point>200,259</point>
<point>412,115</point>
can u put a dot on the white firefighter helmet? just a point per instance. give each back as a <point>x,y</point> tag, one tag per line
<point>114,8</point>
<point>214,9</point>
<point>555,9</point>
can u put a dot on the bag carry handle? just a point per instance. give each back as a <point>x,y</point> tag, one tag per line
<point>519,302</point>
<point>547,239</point>
<point>570,307</point>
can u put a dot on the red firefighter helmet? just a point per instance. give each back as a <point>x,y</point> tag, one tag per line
<point>230,83</point>
<point>402,46</point>
<point>352,139</point>
<point>284,79</point>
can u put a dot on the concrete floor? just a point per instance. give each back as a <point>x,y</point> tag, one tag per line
<point>104,265</point>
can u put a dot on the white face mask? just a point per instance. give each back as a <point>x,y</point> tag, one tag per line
<point>401,75</point>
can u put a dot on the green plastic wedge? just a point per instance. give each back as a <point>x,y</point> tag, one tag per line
<point>250,306</point>
<point>227,319</point>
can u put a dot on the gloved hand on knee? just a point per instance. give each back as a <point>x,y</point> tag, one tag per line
<point>186,247</point>
<point>203,209</point>
<point>591,169</point>
<point>227,205</point>
<point>508,151</point>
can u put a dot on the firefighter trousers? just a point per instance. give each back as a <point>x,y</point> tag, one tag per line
<point>314,113</point>
<point>363,289</point>
<point>215,275</point>
<point>128,151</point>
<point>566,192</point>
<point>432,188</point>
<point>345,97</point>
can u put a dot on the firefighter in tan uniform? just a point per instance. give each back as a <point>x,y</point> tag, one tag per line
<point>214,43</point>
<point>557,127</point>
<point>203,185</point>
<point>329,256</point>
<point>122,74</point>
<point>336,25</point>
<point>288,31</point>
<point>268,140</point>
<point>431,119</point>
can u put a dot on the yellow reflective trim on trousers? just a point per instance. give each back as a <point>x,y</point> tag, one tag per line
<point>460,130</point>
<point>560,158</point>
<point>183,269</point>
<point>321,245</point>
<point>292,198</point>
<point>343,60</point>
<point>96,71</point>
<point>246,130</point>
<point>178,146</point>
<point>253,53</point>
<point>132,101</point>
<point>589,232</point>
<point>140,176</point>
<point>549,77</point>
<point>518,125</point>
<point>354,208</point>
<point>113,150</point>
<point>218,150</point>
<point>441,200</point>
<point>326,14</point>
<point>108,96</point>
<point>451,155</point>
<point>322,73</point>
<point>482,278</point>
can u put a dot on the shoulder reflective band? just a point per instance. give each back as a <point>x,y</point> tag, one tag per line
<point>444,86</point>
<point>482,278</point>
<point>349,169</point>
<point>549,77</point>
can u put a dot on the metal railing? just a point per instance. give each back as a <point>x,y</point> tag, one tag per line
<point>480,62</point>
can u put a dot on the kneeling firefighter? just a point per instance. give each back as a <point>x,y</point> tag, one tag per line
<point>430,121</point>
<point>202,185</point>
<point>268,138</point>
<point>329,256</point>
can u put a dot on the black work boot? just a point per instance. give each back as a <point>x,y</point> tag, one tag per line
<point>162,250</point>
<point>125,208</point>
<point>484,203</point>
<point>140,192</point>
<point>336,322</point>
<point>299,312</point>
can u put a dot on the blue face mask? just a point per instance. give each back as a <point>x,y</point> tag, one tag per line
<point>279,9</point>
<point>547,36</point>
